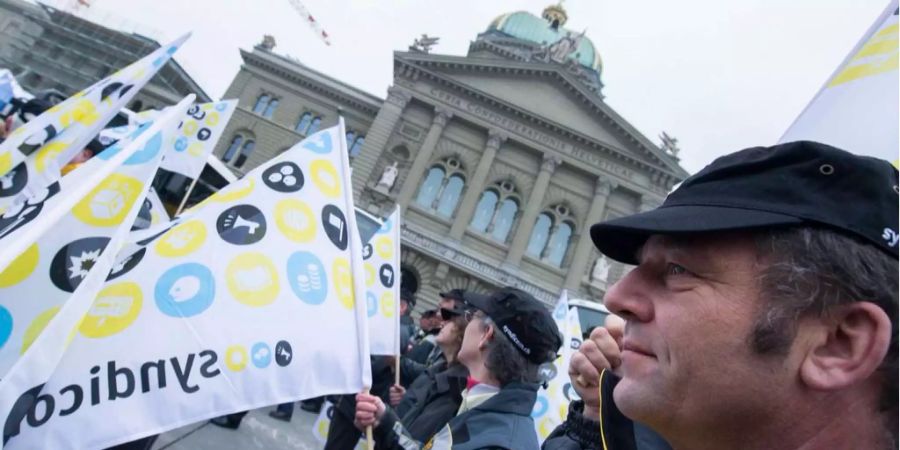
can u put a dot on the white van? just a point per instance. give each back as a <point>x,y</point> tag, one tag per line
<point>590,313</point>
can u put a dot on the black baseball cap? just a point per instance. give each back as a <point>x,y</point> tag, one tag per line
<point>799,183</point>
<point>523,320</point>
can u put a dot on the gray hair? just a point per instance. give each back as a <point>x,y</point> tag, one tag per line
<point>812,270</point>
<point>504,361</point>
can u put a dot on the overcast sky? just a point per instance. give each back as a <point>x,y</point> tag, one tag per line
<point>719,75</point>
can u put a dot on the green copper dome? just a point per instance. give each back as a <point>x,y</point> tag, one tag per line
<point>526,26</point>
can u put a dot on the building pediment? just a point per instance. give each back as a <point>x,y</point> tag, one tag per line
<point>550,93</point>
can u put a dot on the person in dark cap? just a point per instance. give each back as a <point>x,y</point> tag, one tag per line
<point>423,343</point>
<point>762,312</point>
<point>509,336</point>
<point>410,368</point>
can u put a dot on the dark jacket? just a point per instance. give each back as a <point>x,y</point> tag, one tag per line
<point>500,422</point>
<point>342,433</point>
<point>617,432</point>
<point>422,349</point>
<point>411,370</point>
<point>407,331</point>
<point>430,402</point>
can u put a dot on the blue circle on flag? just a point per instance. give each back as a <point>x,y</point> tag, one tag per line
<point>261,355</point>
<point>307,277</point>
<point>6,325</point>
<point>181,144</point>
<point>221,106</point>
<point>371,304</point>
<point>540,407</point>
<point>185,290</point>
<point>386,226</point>
<point>318,143</point>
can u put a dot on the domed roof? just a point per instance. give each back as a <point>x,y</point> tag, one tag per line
<point>526,26</point>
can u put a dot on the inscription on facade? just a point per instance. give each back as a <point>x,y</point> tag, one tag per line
<point>522,129</point>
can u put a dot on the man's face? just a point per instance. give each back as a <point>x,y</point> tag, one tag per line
<point>469,352</point>
<point>690,306</point>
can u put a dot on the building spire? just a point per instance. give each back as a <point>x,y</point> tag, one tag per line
<point>556,15</point>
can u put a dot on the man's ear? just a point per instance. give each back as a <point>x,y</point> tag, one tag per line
<point>846,347</point>
<point>488,335</point>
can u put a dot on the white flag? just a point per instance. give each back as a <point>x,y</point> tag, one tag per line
<point>857,109</point>
<point>32,156</point>
<point>323,423</point>
<point>552,404</point>
<point>202,126</point>
<point>249,301</point>
<point>55,267</point>
<point>381,259</point>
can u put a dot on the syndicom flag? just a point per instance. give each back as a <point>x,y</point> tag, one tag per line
<point>65,265</point>
<point>857,109</point>
<point>552,405</point>
<point>255,298</point>
<point>31,157</point>
<point>381,260</point>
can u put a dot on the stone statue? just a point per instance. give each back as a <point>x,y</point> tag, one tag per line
<point>388,177</point>
<point>669,144</point>
<point>424,44</point>
<point>561,49</point>
<point>601,270</point>
<point>268,42</point>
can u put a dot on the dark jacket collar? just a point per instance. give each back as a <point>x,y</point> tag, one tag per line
<point>514,398</point>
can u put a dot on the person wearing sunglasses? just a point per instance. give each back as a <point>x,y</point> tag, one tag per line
<point>508,336</point>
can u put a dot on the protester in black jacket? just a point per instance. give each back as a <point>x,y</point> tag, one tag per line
<point>434,398</point>
<point>509,335</point>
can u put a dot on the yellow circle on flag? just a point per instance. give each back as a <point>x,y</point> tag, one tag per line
<point>252,279</point>
<point>212,118</point>
<point>384,246</point>
<point>343,281</point>
<point>195,149</point>
<point>108,203</point>
<point>36,327</point>
<point>6,161</point>
<point>325,177</point>
<point>296,220</point>
<point>236,358</point>
<point>21,267</point>
<point>189,128</point>
<point>115,309</point>
<point>48,153</point>
<point>182,240</point>
<point>388,304</point>
<point>242,188</point>
<point>370,274</point>
<point>84,111</point>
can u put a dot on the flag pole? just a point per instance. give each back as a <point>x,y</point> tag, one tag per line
<point>186,195</point>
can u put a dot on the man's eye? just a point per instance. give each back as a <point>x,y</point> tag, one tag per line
<point>675,269</point>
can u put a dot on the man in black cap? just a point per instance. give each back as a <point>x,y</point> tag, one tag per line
<point>762,312</point>
<point>509,335</point>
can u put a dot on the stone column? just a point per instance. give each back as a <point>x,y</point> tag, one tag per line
<point>532,208</point>
<point>580,261</point>
<point>377,136</point>
<point>476,185</point>
<point>423,157</point>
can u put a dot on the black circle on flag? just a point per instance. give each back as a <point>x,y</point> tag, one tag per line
<point>283,353</point>
<point>241,225</point>
<point>386,275</point>
<point>12,182</point>
<point>72,263</point>
<point>335,226</point>
<point>575,344</point>
<point>204,134</point>
<point>367,251</point>
<point>124,266</point>
<point>284,177</point>
<point>20,214</point>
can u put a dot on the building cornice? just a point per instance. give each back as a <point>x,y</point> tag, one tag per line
<point>408,63</point>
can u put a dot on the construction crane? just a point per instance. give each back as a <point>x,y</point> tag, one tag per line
<point>310,20</point>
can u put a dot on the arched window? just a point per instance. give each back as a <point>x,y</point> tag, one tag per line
<point>496,211</point>
<point>450,195</point>
<point>551,235</point>
<point>429,190</point>
<point>559,243</point>
<point>443,186</point>
<point>539,235</point>
<point>351,135</point>
<point>246,150</point>
<point>232,148</point>
<point>506,214</point>
<point>484,212</point>
<point>303,123</point>
<point>271,108</point>
<point>357,146</point>
<point>261,103</point>
<point>314,126</point>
